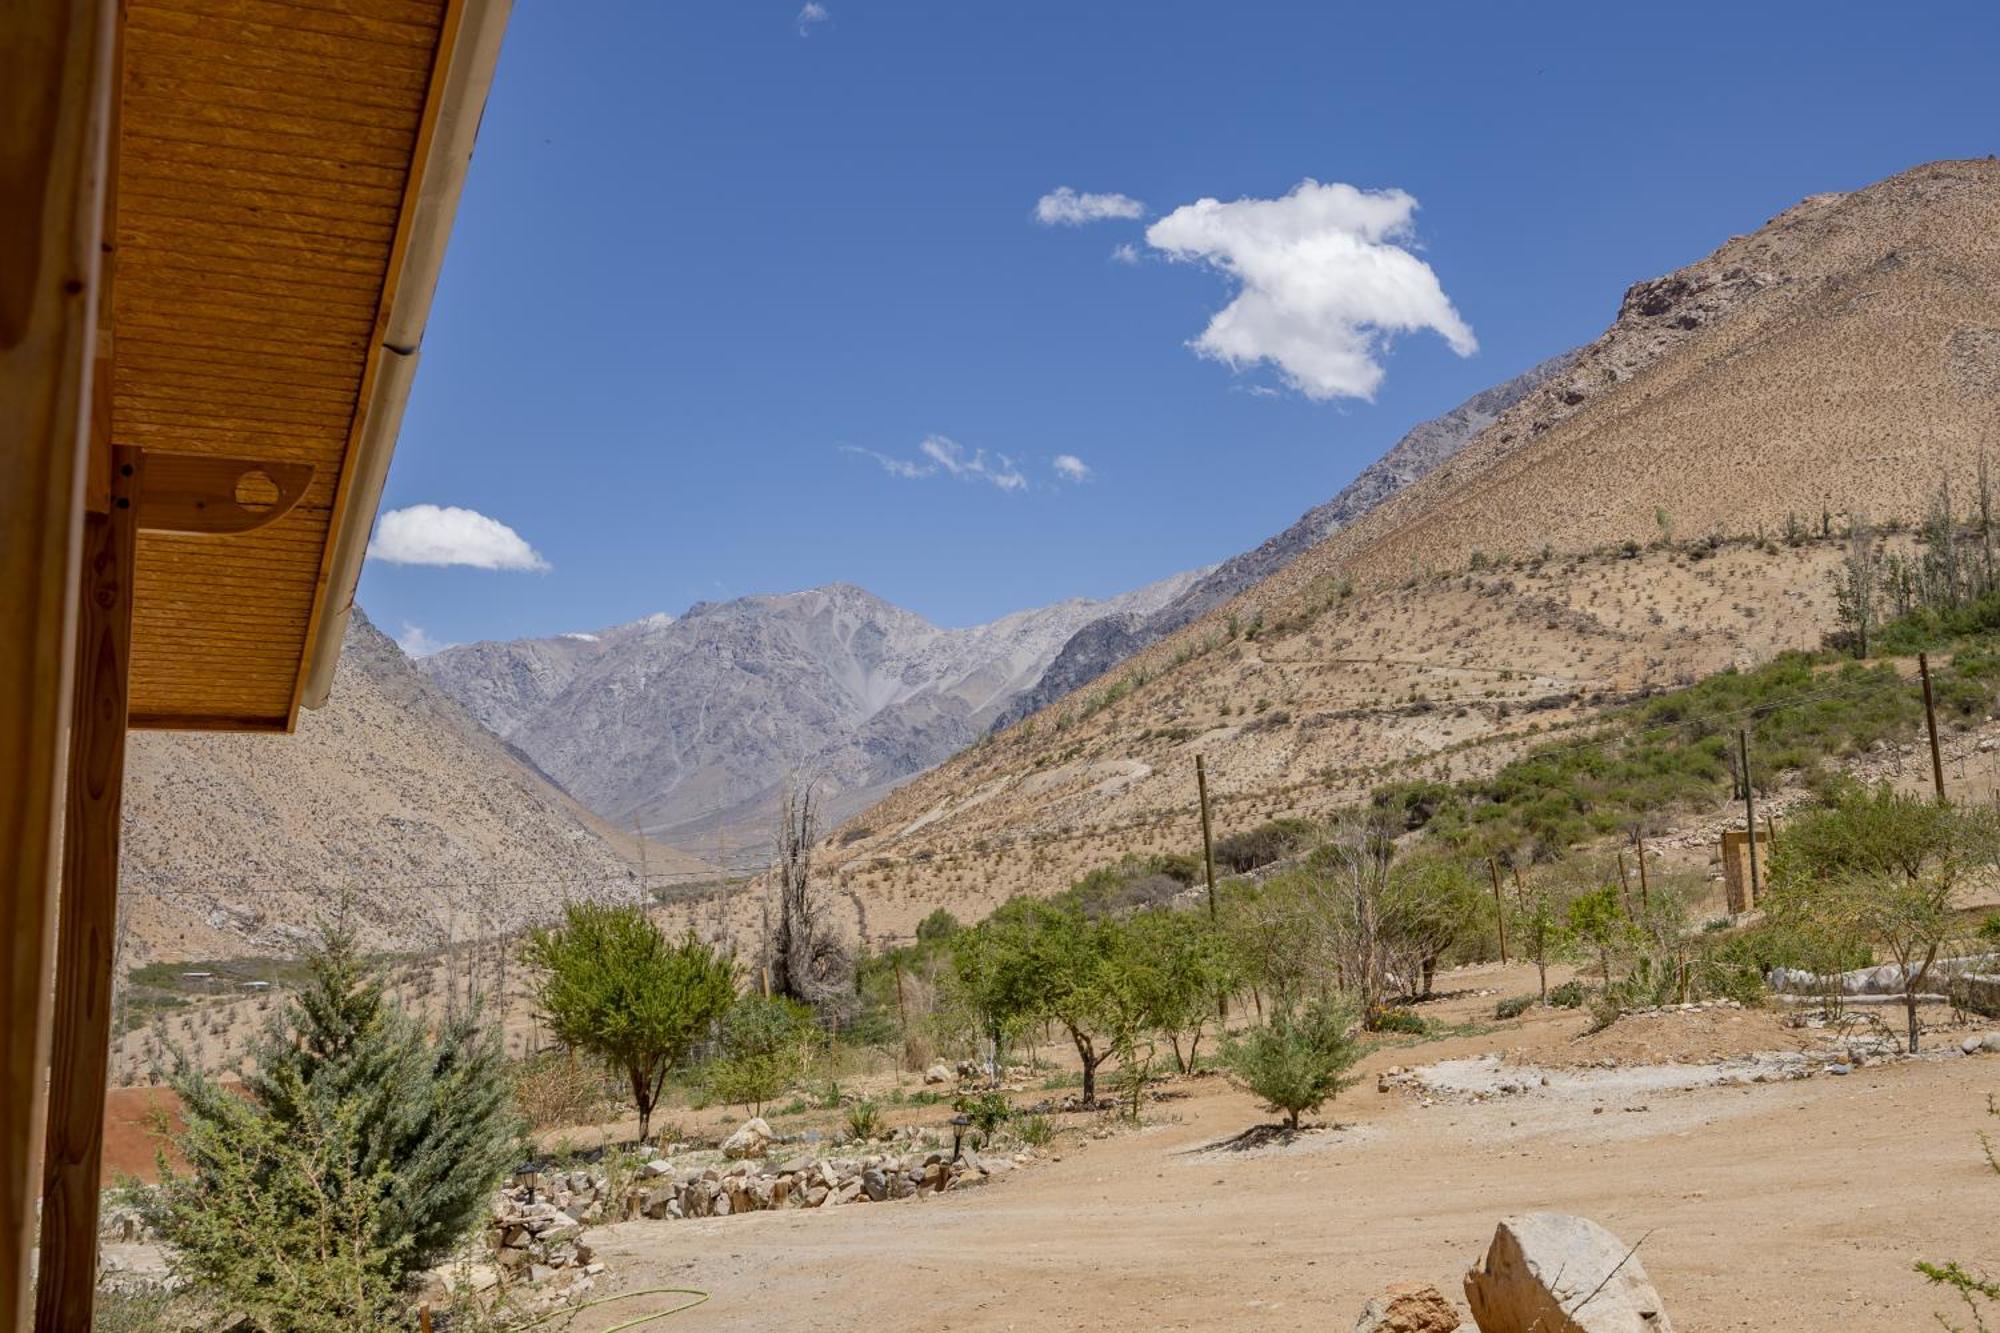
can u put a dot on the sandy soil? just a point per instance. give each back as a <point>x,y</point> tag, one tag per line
<point>1781,1205</point>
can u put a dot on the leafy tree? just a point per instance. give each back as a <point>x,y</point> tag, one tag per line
<point>1295,1062</point>
<point>1539,925</point>
<point>612,986</point>
<point>765,1041</point>
<point>1432,905</point>
<point>1182,968</point>
<point>1880,866</point>
<point>359,1151</point>
<point>1596,920</point>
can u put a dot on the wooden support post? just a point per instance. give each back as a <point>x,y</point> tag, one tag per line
<point>55,86</point>
<point>1645,893</point>
<point>1499,908</point>
<point>1624,885</point>
<point>1207,843</point>
<point>88,924</point>
<point>1930,725</point>
<point>1749,811</point>
<point>902,1015</point>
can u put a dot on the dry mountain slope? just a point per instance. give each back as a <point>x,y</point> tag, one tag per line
<point>1844,356</point>
<point>1107,641</point>
<point>238,844</point>
<point>690,727</point>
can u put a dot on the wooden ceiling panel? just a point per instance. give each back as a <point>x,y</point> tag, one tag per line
<point>264,171</point>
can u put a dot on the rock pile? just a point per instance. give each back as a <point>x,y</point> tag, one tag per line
<point>746,1185</point>
<point>538,1235</point>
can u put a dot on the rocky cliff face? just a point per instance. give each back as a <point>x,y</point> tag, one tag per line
<point>691,727</point>
<point>1106,642</point>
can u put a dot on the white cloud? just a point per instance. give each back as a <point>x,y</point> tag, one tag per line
<point>415,641</point>
<point>944,456</point>
<point>811,14</point>
<point>1322,281</point>
<point>1125,253</point>
<point>1064,207</point>
<point>448,535</point>
<point>1071,468</point>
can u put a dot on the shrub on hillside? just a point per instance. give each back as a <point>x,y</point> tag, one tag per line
<point>1260,846</point>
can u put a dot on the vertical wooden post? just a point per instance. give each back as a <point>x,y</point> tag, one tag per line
<point>1645,893</point>
<point>1930,725</point>
<point>902,1016</point>
<point>1749,811</point>
<point>1624,883</point>
<point>55,85</point>
<point>88,923</point>
<point>1207,843</point>
<point>1499,908</point>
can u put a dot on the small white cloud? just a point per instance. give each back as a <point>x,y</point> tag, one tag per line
<point>1071,468</point>
<point>1322,283</point>
<point>416,642</point>
<point>1125,253</point>
<point>947,457</point>
<point>448,535</point>
<point>579,636</point>
<point>1064,207</point>
<point>811,14</point>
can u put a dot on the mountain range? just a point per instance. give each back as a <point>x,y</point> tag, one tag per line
<point>690,726</point>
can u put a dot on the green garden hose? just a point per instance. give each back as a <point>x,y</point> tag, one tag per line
<point>699,1297</point>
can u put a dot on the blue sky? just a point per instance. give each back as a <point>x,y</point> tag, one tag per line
<point>722,265</point>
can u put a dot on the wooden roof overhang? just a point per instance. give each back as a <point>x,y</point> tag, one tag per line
<point>221,223</point>
<point>283,174</point>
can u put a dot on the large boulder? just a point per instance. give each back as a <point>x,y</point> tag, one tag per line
<point>1408,1307</point>
<point>1558,1273</point>
<point>752,1139</point>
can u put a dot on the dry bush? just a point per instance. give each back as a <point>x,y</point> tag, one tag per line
<point>560,1088</point>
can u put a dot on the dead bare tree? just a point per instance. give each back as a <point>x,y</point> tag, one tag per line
<point>809,962</point>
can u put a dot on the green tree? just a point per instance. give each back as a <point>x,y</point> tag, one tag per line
<point>1539,925</point>
<point>613,987</point>
<point>359,1151</point>
<point>1881,867</point>
<point>1296,1061</point>
<point>1182,968</point>
<point>1432,906</point>
<point>765,1043</point>
<point>1596,920</point>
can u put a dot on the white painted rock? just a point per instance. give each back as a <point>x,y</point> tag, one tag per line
<point>1559,1273</point>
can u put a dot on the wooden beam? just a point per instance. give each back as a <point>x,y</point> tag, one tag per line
<point>81,1043</point>
<point>217,496</point>
<point>55,88</point>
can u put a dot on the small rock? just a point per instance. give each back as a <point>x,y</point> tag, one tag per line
<point>1408,1307</point>
<point>938,1073</point>
<point>1839,1069</point>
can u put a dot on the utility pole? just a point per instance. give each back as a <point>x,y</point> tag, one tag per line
<point>1208,868</point>
<point>1499,908</point>
<point>1207,842</point>
<point>1749,810</point>
<point>1930,724</point>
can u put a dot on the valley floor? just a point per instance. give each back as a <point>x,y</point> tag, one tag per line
<point>1785,1205</point>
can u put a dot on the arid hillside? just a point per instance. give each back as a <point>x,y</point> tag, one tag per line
<point>1651,515</point>
<point>237,845</point>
